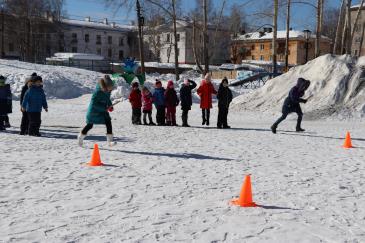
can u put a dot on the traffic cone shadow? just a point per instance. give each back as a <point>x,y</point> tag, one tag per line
<point>348,143</point>
<point>245,199</point>
<point>95,157</point>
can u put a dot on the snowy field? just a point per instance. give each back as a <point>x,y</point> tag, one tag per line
<point>166,184</point>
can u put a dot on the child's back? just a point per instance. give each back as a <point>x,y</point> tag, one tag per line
<point>35,99</point>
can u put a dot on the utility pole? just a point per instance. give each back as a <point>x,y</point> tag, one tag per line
<point>205,38</point>
<point>140,37</point>
<point>275,33</point>
<point>2,30</point>
<point>287,36</point>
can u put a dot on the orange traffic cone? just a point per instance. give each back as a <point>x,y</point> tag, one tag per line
<point>348,143</point>
<point>95,157</point>
<point>245,199</point>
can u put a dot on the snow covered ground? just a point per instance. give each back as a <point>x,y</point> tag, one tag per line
<point>164,184</point>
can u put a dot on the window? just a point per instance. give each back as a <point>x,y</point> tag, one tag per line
<point>61,48</point>
<point>262,47</point>
<point>74,49</point>
<point>62,36</point>
<point>270,46</point>
<point>253,57</point>
<point>262,58</point>
<point>87,38</point>
<point>74,38</point>
<point>253,47</point>
<point>48,36</point>
<point>110,40</point>
<point>178,37</point>
<point>121,55</point>
<point>98,51</point>
<point>98,39</point>
<point>11,47</point>
<point>110,53</point>
<point>168,38</point>
<point>270,58</point>
<point>355,53</point>
<point>121,41</point>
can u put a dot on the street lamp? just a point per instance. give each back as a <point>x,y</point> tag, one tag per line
<point>307,35</point>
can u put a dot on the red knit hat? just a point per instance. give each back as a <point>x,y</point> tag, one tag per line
<point>170,84</point>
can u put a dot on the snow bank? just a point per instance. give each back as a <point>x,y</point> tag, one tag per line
<point>337,89</point>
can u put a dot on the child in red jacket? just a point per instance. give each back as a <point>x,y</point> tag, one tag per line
<point>147,101</point>
<point>171,101</point>
<point>205,91</point>
<point>135,98</point>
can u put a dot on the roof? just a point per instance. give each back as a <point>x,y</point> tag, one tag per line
<point>99,25</point>
<point>356,6</point>
<point>281,34</point>
<point>185,24</point>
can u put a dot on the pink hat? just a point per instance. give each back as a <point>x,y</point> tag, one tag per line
<point>170,84</point>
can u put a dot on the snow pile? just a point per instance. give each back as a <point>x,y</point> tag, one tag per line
<point>337,89</point>
<point>59,82</point>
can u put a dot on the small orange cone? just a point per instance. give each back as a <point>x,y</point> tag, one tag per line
<point>245,199</point>
<point>95,157</point>
<point>348,143</point>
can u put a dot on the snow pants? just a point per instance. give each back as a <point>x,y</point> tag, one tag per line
<point>108,124</point>
<point>171,115</point>
<point>222,117</point>
<point>136,116</point>
<point>160,115</point>
<point>34,123</point>
<point>24,126</point>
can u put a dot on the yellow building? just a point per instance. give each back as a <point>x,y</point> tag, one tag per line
<point>257,46</point>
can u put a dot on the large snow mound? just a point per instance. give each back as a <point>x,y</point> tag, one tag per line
<point>337,89</point>
<point>59,82</point>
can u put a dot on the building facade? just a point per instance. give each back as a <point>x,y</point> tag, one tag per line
<point>257,46</point>
<point>159,42</point>
<point>357,45</point>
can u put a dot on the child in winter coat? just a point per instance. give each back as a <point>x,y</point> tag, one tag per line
<point>159,101</point>
<point>34,100</point>
<point>25,122</point>
<point>5,102</point>
<point>147,101</point>
<point>171,101</point>
<point>135,98</point>
<point>205,92</point>
<point>292,104</point>
<point>186,100</point>
<point>224,97</point>
<point>98,111</point>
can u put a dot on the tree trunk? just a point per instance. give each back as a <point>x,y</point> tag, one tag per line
<point>356,20</point>
<point>362,39</point>
<point>195,48</point>
<point>338,29</point>
<point>175,41</point>
<point>287,36</point>
<point>205,38</point>
<point>317,50</point>
<point>348,32</point>
<point>275,33</point>
<point>344,35</point>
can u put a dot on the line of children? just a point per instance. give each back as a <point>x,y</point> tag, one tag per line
<point>33,102</point>
<point>98,111</point>
<point>5,103</point>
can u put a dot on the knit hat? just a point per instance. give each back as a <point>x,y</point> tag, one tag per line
<point>157,82</point>
<point>2,79</point>
<point>135,85</point>
<point>108,81</point>
<point>186,82</point>
<point>34,75</point>
<point>170,84</point>
<point>38,78</point>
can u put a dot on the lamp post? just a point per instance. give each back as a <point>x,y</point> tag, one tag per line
<point>307,35</point>
<point>140,36</point>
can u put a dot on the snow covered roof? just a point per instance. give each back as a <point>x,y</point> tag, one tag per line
<point>356,6</point>
<point>76,56</point>
<point>281,34</point>
<point>99,25</point>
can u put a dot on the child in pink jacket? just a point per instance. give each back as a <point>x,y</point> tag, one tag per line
<point>147,101</point>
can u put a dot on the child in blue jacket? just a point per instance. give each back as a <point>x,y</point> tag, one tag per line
<point>159,101</point>
<point>5,102</point>
<point>33,102</point>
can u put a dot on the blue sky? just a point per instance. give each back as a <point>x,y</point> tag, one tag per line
<point>77,9</point>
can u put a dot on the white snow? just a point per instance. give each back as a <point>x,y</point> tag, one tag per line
<point>167,184</point>
<point>101,25</point>
<point>76,56</point>
<point>336,90</point>
<point>281,34</point>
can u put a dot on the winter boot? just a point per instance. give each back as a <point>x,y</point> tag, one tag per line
<point>273,129</point>
<point>299,129</point>
<point>109,138</point>
<point>152,123</point>
<point>80,139</point>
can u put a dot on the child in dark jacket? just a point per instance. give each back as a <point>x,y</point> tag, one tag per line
<point>135,98</point>
<point>5,102</point>
<point>224,97</point>
<point>34,100</point>
<point>25,123</point>
<point>159,101</point>
<point>147,101</point>
<point>98,111</point>
<point>186,100</point>
<point>292,104</point>
<point>171,101</point>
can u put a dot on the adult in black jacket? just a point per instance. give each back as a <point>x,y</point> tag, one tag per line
<point>224,97</point>
<point>25,122</point>
<point>292,104</point>
<point>5,102</point>
<point>186,100</point>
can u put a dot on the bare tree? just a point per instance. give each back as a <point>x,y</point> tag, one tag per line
<point>318,28</point>
<point>275,32</point>
<point>340,23</point>
<point>356,19</point>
